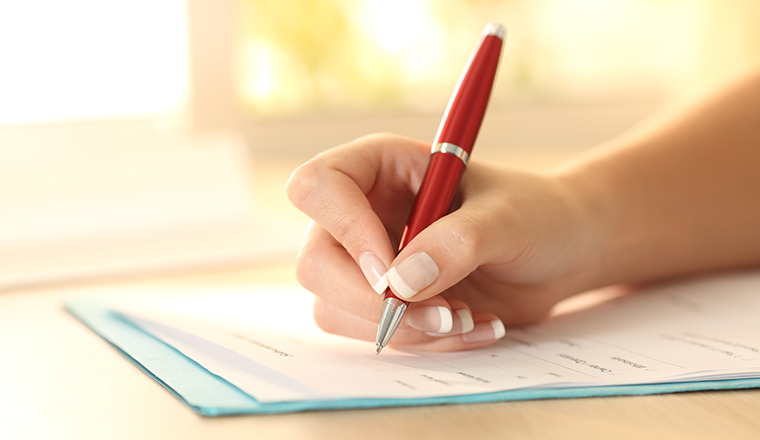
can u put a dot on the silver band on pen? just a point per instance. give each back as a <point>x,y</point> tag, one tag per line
<point>456,150</point>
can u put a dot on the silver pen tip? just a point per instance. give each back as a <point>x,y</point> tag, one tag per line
<point>378,348</point>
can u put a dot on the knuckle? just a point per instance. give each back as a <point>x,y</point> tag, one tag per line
<point>348,228</point>
<point>468,239</point>
<point>307,268</point>
<point>302,184</point>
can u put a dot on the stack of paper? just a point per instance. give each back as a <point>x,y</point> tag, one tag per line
<point>701,334</point>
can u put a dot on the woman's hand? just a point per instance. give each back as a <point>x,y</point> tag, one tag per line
<point>515,245</point>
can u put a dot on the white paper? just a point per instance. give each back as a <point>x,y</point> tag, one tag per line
<point>699,330</point>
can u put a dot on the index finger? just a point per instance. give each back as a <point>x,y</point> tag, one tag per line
<point>334,187</point>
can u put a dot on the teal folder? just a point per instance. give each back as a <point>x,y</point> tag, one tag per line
<point>210,395</point>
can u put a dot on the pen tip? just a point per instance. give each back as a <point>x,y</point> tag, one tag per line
<point>378,348</point>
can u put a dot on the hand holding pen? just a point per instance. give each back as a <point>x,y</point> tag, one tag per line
<point>504,256</point>
<point>675,198</point>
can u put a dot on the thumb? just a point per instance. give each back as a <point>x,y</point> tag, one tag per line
<point>440,256</point>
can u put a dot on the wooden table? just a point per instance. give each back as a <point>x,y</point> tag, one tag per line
<point>60,380</point>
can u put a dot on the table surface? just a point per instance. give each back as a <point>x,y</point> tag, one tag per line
<point>60,380</point>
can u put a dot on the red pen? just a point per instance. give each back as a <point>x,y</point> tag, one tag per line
<point>448,159</point>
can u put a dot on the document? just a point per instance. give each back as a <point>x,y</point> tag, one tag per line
<point>266,345</point>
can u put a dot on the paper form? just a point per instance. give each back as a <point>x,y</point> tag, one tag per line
<point>701,330</point>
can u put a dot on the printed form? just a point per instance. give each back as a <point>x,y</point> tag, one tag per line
<point>267,345</point>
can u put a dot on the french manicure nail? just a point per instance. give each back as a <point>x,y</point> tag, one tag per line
<point>374,271</point>
<point>486,331</point>
<point>463,323</point>
<point>466,318</point>
<point>430,319</point>
<point>412,275</point>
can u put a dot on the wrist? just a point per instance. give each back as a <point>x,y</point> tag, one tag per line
<point>591,211</point>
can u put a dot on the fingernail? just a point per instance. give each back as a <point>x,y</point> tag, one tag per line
<point>412,275</point>
<point>431,319</point>
<point>466,319</point>
<point>486,331</point>
<point>463,323</point>
<point>374,271</point>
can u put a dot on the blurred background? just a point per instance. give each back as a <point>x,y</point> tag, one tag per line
<point>297,76</point>
<point>89,82</point>
<point>248,64</point>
